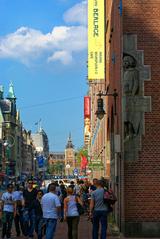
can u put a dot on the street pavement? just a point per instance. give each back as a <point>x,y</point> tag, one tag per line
<point>85,231</point>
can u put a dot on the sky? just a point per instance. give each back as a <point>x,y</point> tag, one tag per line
<point>43,51</point>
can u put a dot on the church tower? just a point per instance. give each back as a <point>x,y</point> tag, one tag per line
<point>12,98</point>
<point>69,157</point>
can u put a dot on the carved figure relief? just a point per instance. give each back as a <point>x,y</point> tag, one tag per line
<point>131,89</point>
<point>135,104</point>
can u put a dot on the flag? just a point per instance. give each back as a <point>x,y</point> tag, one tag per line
<point>40,160</point>
<point>84,162</point>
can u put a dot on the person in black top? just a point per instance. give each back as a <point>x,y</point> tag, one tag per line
<point>38,213</point>
<point>29,196</point>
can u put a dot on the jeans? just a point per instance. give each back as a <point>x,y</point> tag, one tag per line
<point>99,217</point>
<point>51,224</point>
<point>73,227</point>
<point>7,220</point>
<point>38,226</point>
<point>18,221</point>
<point>28,222</point>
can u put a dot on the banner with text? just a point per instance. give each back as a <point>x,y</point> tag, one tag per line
<point>96,40</point>
<point>87,121</point>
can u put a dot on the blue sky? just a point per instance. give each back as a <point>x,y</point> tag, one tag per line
<point>43,51</point>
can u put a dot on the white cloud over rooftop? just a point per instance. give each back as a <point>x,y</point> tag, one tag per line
<point>28,44</point>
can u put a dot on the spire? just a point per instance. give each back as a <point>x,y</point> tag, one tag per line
<point>1,92</point>
<point>69,143</point>
<point>11,94</point>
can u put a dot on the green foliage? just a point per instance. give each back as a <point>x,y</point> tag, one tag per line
<point>81,151</point>
<point>56,168</point>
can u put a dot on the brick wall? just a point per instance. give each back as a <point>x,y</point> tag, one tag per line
<point>142,177</point>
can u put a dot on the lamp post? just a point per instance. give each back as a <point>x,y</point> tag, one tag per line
<point>100,110</point>
<point>8,142</point>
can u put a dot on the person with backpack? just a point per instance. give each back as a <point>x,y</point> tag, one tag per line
<point>98,211</point>
<point>71,214</point>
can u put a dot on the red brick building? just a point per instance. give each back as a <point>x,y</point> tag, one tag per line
<point>133,132</point>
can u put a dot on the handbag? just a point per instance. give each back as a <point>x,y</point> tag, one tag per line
<point>80,208</point>
<point>109,197</point>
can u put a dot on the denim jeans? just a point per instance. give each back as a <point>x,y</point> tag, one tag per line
<point>51,224</point>
<point>38,226</point>
<point>7,220</point>
<point>99,217</point>
<point>29,222</point>
<point>18,220</point>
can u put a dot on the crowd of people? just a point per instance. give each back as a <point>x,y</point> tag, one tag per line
<point>35,212</point>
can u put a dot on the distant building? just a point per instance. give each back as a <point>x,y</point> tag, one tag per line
<point>28,162</point>
<point>56,163</point>
<point>70,161</point>
<point>10,141</point>
<point>41,144</point>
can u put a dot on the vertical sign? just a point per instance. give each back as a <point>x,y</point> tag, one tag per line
<point>87,119</point>
<point>96,40</point>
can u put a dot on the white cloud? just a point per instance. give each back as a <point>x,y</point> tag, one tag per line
<point>27,44</point>
<point>63,56</point>
<point>77,14</point>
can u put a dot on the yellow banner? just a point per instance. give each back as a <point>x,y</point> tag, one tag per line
<point>96,40</point>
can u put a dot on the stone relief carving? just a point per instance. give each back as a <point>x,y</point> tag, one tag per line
<point>131,89</point>
<point>135,104</point>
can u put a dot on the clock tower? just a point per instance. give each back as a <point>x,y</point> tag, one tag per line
<point>69,157</point>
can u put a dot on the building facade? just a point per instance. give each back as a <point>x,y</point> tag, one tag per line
<point>127,138</point>
<point>56,163</point>
<point>70,160</point>
<point>41,145</point>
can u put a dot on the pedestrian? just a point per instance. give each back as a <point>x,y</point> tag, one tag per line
<point>38,214</point>
<point>18,219</point>
<point>8,206</point>
<point>29,195</point>
<point>98,211</point>
<point>93,187</point>
<point>77,188</point>
<point>71,214</point>
<point>51,207</point>
<point>62,197</point>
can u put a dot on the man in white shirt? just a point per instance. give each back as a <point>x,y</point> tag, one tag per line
<point>51,207</point>
<point>8,206</point>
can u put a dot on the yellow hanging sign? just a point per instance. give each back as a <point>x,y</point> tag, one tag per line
<point>96,40</point>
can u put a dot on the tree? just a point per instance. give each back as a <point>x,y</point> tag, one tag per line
<point>81,151</point>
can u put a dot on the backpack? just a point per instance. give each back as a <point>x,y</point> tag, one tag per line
<point>109,197</point>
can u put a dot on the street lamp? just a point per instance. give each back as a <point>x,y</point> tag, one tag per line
<point>8,142</point>
<point>100,110</point>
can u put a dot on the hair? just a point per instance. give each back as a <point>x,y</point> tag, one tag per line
<point>40,192</point>
<point>100,183</point>
<point>9,185</point>
<point>95,179</point>
<point>51,187</point>
<point>70,190</point>
<point>29,180</point>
